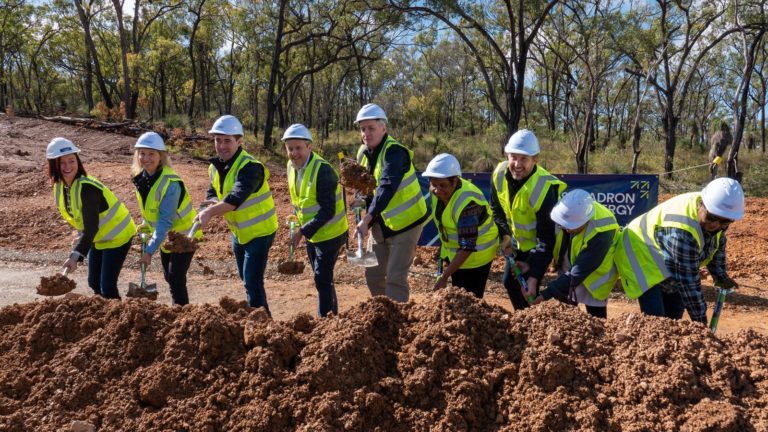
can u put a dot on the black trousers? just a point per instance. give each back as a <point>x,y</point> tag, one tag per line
<point>175,267</point>
<point>472,280</point>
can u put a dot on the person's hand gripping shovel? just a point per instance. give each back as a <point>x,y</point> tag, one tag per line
<point>359,257</point>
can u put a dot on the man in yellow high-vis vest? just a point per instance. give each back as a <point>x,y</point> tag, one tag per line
<point>240,193</point>
<point>586,240</point>
<point>522,197</point>
<point>660,252</point>
<point>396,210</point>
<point>318,203</point>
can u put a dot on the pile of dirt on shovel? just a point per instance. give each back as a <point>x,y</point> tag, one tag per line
<point>448,363</point>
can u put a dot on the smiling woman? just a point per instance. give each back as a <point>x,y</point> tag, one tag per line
<point>104,224</point>
<point>167,211</point>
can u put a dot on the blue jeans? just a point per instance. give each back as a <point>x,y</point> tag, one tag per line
<point>322,257</point>
<point>251,261</point>
<point>104,267</point>
<point>656,302</point>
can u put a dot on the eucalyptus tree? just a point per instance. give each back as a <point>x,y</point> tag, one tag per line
<point>499,33</point>
<point>684,34</point>
<point>752,23</point>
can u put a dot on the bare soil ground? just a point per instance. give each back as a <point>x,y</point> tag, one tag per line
<point>442,362</point>
<point>35,240</point>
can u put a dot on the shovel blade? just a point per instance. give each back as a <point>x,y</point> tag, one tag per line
<point>366,260</point>
<point>136,291</point>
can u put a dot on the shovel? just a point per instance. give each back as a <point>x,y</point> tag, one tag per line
<point>520,279</point>
<point>291,267</point>
<point>142,290</point>
<point>722,292</point>
<point>56,285</point>
<point>367,259</point>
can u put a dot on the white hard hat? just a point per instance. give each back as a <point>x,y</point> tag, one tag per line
<point>724,197</point>
<point>443,165</point>
<point>574,209</point>
<point>227,125</point>
<point>59,147</point>
<point>523,142</point>
<point>297,131</point>
<point>150,140</point>
<point>370,112</point>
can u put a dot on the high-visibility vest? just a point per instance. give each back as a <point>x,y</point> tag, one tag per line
<point>600,282</point>
<point>256,216</point>
<point>447,226</point>
<point>150,210</point>
<point>638,256</point>
<point>407,205</point>
<point>115,224</point>
<point>521,211</point>
<point>304,200</point>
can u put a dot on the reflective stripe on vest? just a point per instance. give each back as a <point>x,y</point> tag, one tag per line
<point>640,260</point>
<point>256,216</point>
<point>183,219</point>
<point>600,282</point>
<point>304,200</point>
<point>407,205</point>
<point>521,210</point>
<point>487,236</point>
<point>115,224</point>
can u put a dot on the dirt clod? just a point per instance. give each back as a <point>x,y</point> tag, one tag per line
<point>357,177</point>
<point>291,267</point>
<point>55,285</point>
<point>180,243</point>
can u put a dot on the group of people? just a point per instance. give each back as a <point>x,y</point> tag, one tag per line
<point>528,217</point>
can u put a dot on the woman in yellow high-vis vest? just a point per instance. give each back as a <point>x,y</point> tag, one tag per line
<point>317,201</point>
<point>586,235</point>
<point>468,235</point>
<point>240,193</point>
<point>104,223</point>
<point>166,206</point>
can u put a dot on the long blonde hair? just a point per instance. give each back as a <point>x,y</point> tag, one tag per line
<point>136,168</point>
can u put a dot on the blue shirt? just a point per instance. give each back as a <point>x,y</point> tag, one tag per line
<point>167,213</point>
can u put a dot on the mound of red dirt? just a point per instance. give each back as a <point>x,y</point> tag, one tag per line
<point>449,363</point>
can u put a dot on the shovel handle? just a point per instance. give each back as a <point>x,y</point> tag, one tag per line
<point>722,292</point>
<point>65,271</point>
<point>192,230</point>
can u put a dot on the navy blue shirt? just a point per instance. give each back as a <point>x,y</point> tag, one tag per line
<point>326,183</point>
<point>393,169</point>
<point>586,262</point>
<point>539,257</point>
<point>249,180</point>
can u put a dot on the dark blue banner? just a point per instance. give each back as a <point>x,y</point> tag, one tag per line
<point>626,195</point>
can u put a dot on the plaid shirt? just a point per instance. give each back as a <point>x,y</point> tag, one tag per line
<point>683,259</point>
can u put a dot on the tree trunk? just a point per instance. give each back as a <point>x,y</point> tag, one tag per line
<point>85,21</point>
<point>124,48</point>
<point>741,103</point>
<point>192,65</point>
<point>273,72</point>
<point>88,81</point>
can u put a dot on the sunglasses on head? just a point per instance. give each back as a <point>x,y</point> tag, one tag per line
<point>718,219</point>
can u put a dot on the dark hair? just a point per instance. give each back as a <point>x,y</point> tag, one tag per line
<point>54,172</point>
